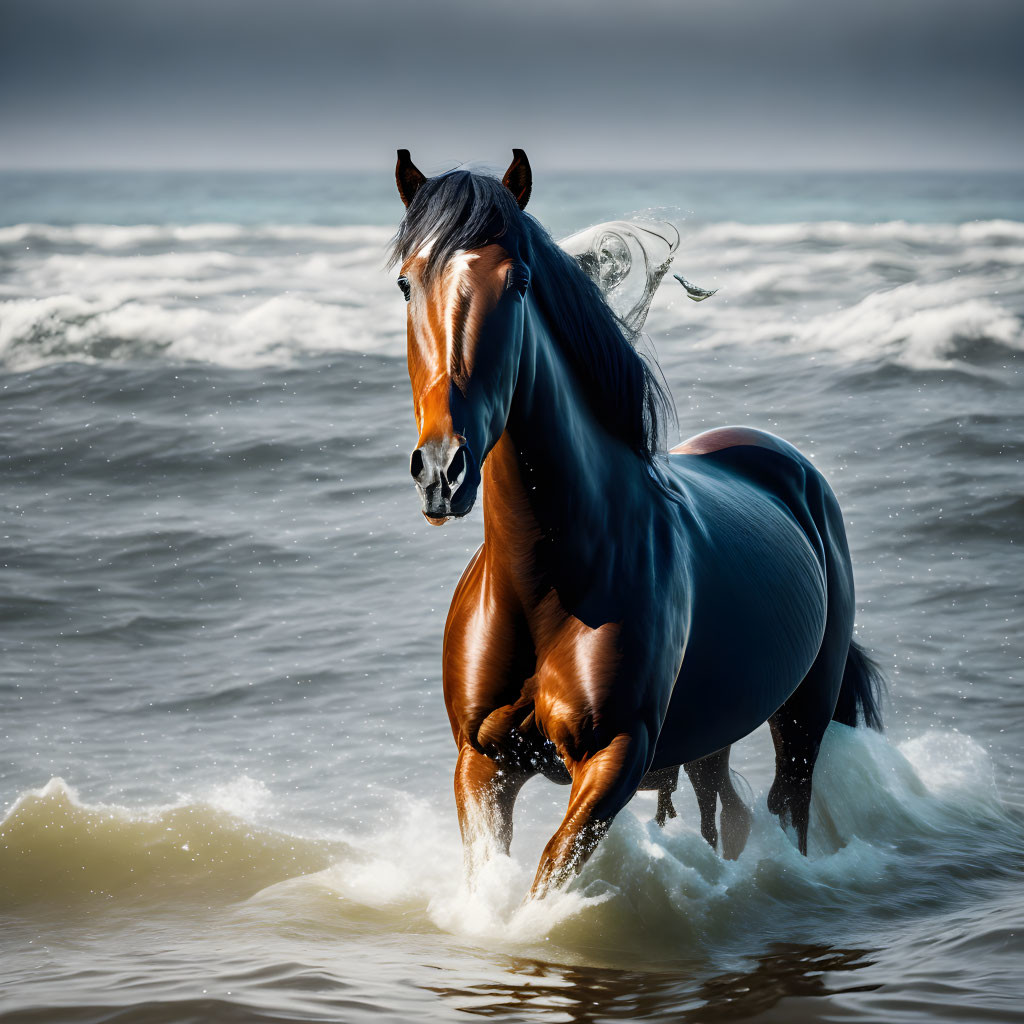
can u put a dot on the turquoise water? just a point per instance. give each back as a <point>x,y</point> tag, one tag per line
<point>563,201</point>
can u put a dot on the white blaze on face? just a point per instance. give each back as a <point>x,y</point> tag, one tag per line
<point>457,277</point>
<point>436,354</point>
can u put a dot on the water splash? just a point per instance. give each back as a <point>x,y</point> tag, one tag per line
<point>895,832</point>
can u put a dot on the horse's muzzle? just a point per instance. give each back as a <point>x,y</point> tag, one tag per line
<point>447,477</point>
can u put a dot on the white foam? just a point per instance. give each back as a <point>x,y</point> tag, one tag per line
<point>115,236</point>
<point>232,309</point>
<point>922,326</point>
<point>923,296</point>
<point>888,827</point>
<point>846,233</point>
<point>243,797</point>
<point>893,829</point>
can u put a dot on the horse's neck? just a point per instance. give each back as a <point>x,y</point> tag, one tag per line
<point>556,473</point>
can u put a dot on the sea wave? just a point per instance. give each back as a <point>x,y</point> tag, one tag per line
<point>896,832</point>
<point>942,325</point>
<point>844,233</point>
<point>264,330</point>
<point>919,296</point>
<point>831,233</point>
<point>133,236</point>
<point>57,850</point>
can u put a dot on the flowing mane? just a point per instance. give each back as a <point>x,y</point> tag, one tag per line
<point>464,210</point>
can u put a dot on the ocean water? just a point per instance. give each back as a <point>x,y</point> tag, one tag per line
<point>225,762</point>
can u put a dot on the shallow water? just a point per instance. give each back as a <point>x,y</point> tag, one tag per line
<point>226,762</point>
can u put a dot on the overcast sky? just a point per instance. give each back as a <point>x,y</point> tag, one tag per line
<point>625,84</point>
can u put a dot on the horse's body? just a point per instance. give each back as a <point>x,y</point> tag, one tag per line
<point>627,613</point>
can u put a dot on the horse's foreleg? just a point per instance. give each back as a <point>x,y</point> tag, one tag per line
<point>485,794</point>
<point>602,784</point>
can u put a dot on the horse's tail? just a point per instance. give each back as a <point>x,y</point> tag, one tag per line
<point>863,685</point>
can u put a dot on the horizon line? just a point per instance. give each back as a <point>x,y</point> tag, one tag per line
<point>558,168</point>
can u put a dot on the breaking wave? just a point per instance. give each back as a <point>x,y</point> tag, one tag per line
<point>921,296</point>
<point>165,236</point>
<point>896,833</point>
<point>55,849</point>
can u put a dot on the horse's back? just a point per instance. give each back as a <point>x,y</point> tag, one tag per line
<point>758,558</point>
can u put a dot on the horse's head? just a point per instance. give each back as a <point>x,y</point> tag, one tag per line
<point>465,292</point>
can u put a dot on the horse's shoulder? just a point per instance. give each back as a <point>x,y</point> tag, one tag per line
<point>720,438</point>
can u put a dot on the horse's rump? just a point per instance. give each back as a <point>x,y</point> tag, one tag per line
<point>760,549</point>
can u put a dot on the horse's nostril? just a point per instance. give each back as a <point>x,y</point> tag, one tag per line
<point>456,471</point>
<point>416,463</point>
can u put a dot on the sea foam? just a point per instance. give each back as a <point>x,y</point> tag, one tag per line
<point>895,831</point>
<point>922,296</point>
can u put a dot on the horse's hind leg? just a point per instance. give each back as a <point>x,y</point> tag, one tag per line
<point>665,781</point>
<point>736,816</point>
<point>799,725</point>
<point>796,751</point>
<point>704,777</point>
<point>712,780</point>
<point>666,809</point>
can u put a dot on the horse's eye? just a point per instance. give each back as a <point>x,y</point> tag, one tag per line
<point>403,283</point>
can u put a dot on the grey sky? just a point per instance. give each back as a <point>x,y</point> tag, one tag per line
<point>635,83</point>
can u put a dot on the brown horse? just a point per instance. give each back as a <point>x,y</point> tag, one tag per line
<point>629,611</point>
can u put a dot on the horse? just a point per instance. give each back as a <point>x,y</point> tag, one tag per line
<point>630,610</point>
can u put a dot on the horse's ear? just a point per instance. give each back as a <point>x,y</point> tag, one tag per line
<point>408,176</point>
<point>519,178</point>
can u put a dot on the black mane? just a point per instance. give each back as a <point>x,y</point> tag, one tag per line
<point>464,210</point>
